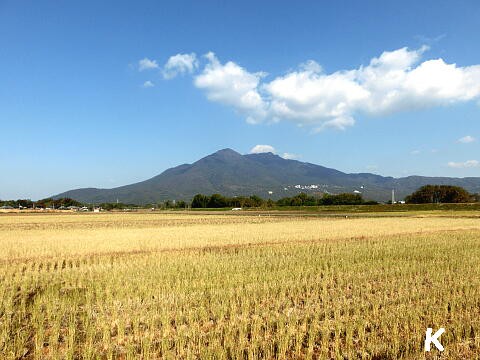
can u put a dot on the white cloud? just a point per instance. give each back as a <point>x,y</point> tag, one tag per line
<point>311,66</point>
<point>415,152</point>
<point>180,64</point>
<point>396,81</point>
<point>429,40</point>
<point>258,149</point>
<point>148,84</point>
<point>232,85</point>
<point>465,164</point>
<point>147,64</point>
<point>466,139</point>
<point>290,156</point>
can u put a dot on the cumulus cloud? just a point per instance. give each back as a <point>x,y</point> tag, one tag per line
<point>393,82</point>
<point>180,64</point>
<point>466,139</point>
<point>258,149</point>
<point>148,84</point>
<point>147,64</point>
<point>232,85</point>
<point>465,164</point>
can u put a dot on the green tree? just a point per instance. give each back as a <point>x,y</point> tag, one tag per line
<point>439,194</point>
<point>199,201</point>
<point>256,201</point>
<point>341,199</point>
<point>217,201</point>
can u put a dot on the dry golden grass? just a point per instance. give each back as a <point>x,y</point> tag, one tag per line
<point>221,286</point>
<point>26,237</point>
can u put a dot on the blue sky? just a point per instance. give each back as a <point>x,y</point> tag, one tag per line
<point>76,108</point>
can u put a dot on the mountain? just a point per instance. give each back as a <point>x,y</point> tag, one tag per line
<point>267,175</point>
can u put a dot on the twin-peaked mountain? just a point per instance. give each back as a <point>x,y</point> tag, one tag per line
<point>268,175</point>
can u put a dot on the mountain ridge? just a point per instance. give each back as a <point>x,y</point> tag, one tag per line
<point>265,174</point>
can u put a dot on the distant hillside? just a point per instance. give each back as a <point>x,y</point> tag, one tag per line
<point>230,173</point>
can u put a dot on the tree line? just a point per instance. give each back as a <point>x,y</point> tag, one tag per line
<point>302,199</point>
<point>428,194</point>
<point>43,203</point>
<point>220,201</point>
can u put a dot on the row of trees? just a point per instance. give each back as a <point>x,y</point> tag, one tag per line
<point>426,194</point>
<point>302,199</point>
<point>43,203</point>
<point>220,201</point>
